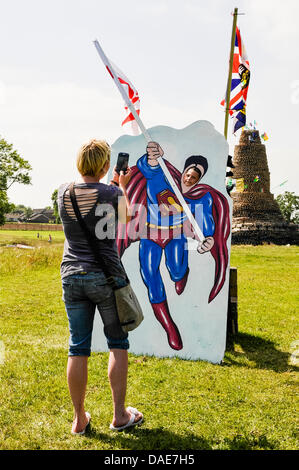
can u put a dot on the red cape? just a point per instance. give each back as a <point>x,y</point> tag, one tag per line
<point>128,233</point>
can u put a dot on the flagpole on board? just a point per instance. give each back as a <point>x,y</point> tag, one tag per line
<point>144,131</point>
<point>229,80</point>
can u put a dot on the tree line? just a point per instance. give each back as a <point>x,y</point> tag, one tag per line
<point>14,169</point>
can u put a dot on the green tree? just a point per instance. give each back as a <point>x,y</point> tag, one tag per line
<point>289,205</point>
<point>13,169</point>
<point>28,212</point>
<point>55,206</point>
<point>20,208</point>
<point>5,206</point>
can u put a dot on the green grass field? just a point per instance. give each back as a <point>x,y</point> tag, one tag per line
<point>248,402</point>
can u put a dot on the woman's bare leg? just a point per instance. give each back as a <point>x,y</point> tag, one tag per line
<point>117,373</point>
<point>77,381</point>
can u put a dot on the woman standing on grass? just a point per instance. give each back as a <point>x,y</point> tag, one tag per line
<point>84,283</point>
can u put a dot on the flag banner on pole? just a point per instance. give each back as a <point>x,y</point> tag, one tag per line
<point>264,136</point>
<point>132,93</point>
<point>239,86</point>
<point>126,88</point>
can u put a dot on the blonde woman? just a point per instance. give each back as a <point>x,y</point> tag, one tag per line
<point>84,283</point>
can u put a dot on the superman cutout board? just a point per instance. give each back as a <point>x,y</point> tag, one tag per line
<point>181,282</point>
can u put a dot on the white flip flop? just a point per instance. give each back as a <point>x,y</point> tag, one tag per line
<point>131,421</point>
<point>80,433</point>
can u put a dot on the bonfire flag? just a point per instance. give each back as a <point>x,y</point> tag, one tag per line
<point>240,185</point>
<point>125,86</point>
<point>239,86</point>
<point>264,136</point>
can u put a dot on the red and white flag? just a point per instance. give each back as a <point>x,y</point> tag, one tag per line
<point>127,89</point>
<point>132,93</point>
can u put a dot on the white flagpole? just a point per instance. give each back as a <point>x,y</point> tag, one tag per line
<point>148,138</point>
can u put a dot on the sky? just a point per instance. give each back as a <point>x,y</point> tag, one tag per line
<point>55,93</point>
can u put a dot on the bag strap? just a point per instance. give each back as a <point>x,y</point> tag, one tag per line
<point>89,236</point>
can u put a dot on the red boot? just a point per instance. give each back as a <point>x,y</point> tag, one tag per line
<point>162,314</point>
<point>180,285</point>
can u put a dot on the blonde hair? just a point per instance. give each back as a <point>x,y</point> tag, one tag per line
<point>92,157</point>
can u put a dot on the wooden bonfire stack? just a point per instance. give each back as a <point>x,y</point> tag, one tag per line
<point>256,215</point>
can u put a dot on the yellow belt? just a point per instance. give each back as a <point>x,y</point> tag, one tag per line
<point>164,226</point>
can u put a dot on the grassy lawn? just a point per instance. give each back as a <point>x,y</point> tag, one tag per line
<point>31,237</point>
<point>247,402</point>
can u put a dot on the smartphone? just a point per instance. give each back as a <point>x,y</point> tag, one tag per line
<point>122,162</point>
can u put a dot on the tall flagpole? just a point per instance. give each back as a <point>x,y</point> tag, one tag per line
<point>144,131</point>
<point>229,80</point>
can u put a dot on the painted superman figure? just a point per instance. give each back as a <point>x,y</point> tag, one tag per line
<point>160,224</point>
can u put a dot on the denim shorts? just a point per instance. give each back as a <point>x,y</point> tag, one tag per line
<point>82,293</point>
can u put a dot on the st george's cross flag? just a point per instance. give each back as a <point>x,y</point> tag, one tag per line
<point>127,89</point>
<point>239,86</point>
<point>132,94</point>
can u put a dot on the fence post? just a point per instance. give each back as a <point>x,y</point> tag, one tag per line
<point>232,308</point>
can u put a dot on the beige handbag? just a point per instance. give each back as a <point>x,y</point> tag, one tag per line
<point>128,308</point>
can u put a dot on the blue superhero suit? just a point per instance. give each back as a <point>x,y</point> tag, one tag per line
<point>165,212</point>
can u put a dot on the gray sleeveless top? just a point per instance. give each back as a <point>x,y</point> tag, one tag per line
<point>98,205</point>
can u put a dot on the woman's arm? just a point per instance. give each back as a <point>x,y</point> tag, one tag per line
<point>124,208</point>
<point>124,213</point>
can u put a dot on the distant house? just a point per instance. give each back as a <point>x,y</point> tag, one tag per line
<point>50,214</point>
<point>38,216</point>
<point>38,219</point>
<point>42,216</point>
<point>13,217</point>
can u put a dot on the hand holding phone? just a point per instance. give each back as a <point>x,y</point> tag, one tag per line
<point>122,162</point>
<point>124,178</point>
